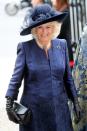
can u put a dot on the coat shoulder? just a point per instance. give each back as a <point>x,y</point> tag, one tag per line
<point>27,43</point>
<point>61,42</point>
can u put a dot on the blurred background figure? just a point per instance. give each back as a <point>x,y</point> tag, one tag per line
<point>60,5</point>
<point>35,2</point>
<point>12,8</point>
<point>65,33</point>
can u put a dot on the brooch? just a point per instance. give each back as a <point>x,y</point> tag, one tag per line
<point>58,47</point>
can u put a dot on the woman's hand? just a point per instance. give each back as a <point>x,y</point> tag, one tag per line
<point>10,112</point>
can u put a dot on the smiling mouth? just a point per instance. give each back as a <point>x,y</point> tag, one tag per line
<point>44,36</point>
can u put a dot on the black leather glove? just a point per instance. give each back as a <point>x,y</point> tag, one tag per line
<point>10,112</point>
<point>77,112</point>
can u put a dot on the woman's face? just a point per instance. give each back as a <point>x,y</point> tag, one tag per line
<point>44,33</point>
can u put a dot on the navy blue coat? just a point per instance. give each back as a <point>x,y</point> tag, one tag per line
<point>46,84</point>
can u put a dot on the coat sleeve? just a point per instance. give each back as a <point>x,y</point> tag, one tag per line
<point>18,73</point>
<point>68,79</point>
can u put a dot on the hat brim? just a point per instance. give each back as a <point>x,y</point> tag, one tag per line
<point>60,17</point>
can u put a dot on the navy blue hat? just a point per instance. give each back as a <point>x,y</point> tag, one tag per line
<point>41,14</point>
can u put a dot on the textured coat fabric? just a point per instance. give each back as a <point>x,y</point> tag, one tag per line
<point>45,83</point>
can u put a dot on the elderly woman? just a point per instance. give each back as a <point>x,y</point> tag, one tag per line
<point>43,63</point>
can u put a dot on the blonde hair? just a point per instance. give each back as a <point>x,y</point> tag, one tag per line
<point>56,29</point>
